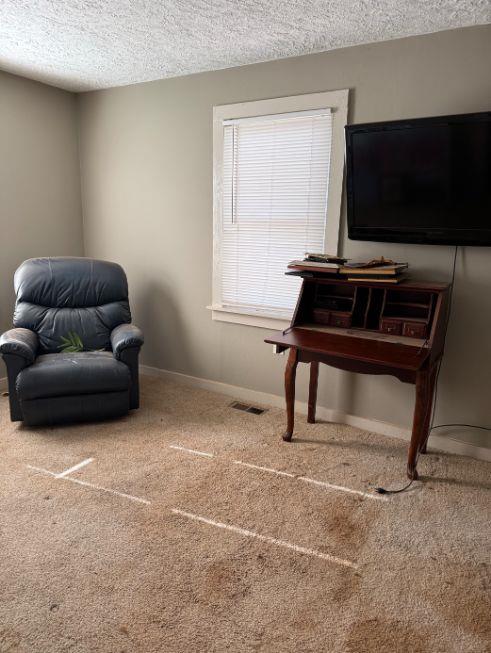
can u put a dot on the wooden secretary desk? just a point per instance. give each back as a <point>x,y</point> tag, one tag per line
<point>370,328</point>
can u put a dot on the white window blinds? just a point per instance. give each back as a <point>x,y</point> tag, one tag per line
<point>274,203</point>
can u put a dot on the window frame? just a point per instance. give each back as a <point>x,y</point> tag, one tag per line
<point>337,102</point>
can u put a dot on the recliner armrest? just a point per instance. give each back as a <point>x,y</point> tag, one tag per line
<point>125,336</point>
<point>20,342</point>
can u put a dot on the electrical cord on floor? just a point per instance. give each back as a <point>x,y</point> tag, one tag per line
<point>382,490</point>
<point>468,426</point>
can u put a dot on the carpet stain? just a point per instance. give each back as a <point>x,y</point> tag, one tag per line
<point>348,586</point>
<point>346,527</point>
<point>221,581</point>
<point>382,636</point>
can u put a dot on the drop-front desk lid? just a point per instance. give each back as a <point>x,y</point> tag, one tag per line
<point>375,348</point>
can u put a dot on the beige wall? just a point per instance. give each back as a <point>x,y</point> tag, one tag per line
<point>146,153</point>
<point>40,206</point>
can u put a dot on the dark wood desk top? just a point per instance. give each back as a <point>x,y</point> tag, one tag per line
<point>374,351</point>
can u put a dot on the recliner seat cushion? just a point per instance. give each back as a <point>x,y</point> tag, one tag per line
<point>65,374</point>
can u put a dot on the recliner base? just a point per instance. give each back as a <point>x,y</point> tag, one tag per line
<point>49,411</point>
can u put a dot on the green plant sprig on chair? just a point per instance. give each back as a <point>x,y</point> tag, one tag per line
<point>71,343</point>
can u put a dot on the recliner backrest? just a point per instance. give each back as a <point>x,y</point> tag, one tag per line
<point>58,295</point>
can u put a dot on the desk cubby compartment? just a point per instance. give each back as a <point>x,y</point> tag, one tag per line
<point>333,304</point>
<point>406,313</point>
<point>374,308</point>
<point>334,297</point>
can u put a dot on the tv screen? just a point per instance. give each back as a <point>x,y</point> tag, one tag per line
<point>426,180</point>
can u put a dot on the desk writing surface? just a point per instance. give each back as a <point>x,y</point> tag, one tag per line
<point>374,351</point>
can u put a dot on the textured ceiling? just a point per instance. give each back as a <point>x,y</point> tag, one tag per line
<point>89,44</point>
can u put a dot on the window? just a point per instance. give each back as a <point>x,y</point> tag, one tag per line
<point>278,167</point>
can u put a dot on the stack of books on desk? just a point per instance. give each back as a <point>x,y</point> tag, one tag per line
<point>325,263</point>
<point>384,271</point>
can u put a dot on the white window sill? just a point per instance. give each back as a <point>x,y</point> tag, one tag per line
<point>249,318</point>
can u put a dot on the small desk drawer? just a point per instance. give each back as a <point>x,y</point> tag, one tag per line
<point>321,316</point>
<point>393,327</point>
<point>414,329</point>
<point>342,320</point>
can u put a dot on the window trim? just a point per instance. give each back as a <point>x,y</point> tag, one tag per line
<point>337,102</point>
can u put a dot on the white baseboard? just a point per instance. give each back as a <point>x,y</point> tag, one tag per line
<point>446,444</point>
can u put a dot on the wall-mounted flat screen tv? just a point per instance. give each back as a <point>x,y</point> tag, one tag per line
<point>425,180</point>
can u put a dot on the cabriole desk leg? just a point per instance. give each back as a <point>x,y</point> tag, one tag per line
<point>431,392</point>
<point>420,414</point>
<point>314,377</point>
<point>290,374</point>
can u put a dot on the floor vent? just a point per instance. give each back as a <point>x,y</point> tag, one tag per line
<point>247,409</point>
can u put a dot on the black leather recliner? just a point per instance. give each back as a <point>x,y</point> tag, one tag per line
<point>57,297</point>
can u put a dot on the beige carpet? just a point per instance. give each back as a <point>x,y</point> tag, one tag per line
<point>87,570</point>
